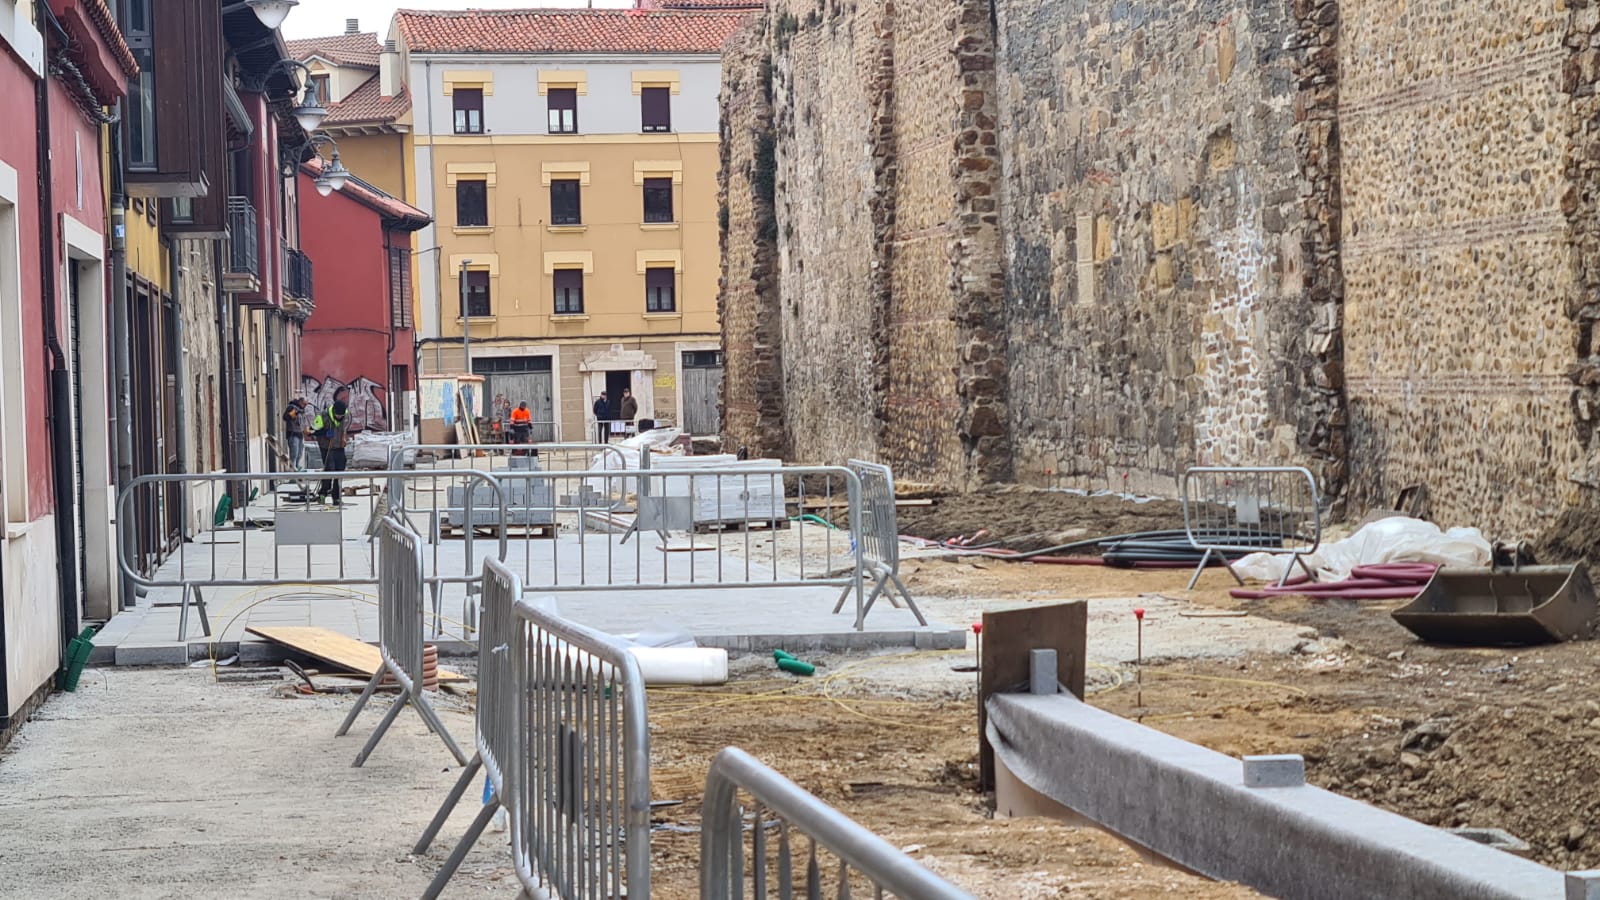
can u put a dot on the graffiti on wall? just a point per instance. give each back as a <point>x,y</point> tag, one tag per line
<point>366,409</point>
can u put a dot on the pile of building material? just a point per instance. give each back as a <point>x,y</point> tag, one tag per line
<point>725,498</point>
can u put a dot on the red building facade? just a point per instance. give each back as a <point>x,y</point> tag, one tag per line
<point>361,336</point>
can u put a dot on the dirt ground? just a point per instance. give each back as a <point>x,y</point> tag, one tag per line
<point>1026,519</point>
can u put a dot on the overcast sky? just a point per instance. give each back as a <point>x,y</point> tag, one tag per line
<point>319,18</point>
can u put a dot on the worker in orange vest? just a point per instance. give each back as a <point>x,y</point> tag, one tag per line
<point>521,424</point>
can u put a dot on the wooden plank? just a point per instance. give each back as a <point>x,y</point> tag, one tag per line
<point>334,648</point>
<point>1003,664</point>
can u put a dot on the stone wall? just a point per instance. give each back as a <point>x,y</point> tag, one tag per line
<point>1458,254</point>
<point>1157,240</point>
<point>1094,242</point>
<point>885,234</point>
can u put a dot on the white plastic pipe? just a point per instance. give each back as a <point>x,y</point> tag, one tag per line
<point>682,665</point>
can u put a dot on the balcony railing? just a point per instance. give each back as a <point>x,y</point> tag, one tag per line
<point>243,239</point>
<point>297,275</point>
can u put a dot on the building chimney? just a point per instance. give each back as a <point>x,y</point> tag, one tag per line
<point>389,70</point>
<point>352,26</point>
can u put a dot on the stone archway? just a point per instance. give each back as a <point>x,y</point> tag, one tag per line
<point>641,366</point>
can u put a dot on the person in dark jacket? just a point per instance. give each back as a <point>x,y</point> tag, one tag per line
<point>630,406</point>
<point>331,427</point>
<point>294,431</point>
<point>602,412</point>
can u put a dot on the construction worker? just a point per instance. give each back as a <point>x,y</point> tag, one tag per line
<point>330,427</point>
<point>521,424</point>
<point>294,431</point>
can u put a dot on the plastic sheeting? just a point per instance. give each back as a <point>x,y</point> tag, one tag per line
<point>371,450</point>
<point>1391,540</point>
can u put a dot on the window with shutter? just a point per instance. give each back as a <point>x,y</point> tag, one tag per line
<point>565,202</point>
<point>563,110</point>
<point>656,108</point>
<point>468,109</point>
<point>472,203</point>
<point>568,284</point>
<point>658,201</point>
<point>660,290</point>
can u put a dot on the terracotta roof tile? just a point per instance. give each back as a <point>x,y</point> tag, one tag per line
<point>342,49</point>
<point>568,30</point>
<point>752,5</point>
<point>366,105</point>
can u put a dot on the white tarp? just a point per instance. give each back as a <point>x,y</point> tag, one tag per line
<point>1396,539</point>
<point>371,449</point>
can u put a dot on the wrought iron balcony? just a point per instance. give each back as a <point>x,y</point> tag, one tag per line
<point>297,276</point>
<point>244,253</point>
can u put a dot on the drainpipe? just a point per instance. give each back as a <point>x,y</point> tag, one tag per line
<point>270,321</point>
<point>121,357</point>
<point>60,382</point>
<point>182,412</point>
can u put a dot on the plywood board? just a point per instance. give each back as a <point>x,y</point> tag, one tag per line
<point>334,648</point>
<point>1007,637</point>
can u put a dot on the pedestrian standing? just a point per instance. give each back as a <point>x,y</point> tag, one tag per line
<point>602,412</point>
<point>331,425</point>
<point>630,406</point>
<point>294,431</point>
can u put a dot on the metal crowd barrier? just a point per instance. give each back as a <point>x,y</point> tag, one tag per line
<point>400,623</point>
<point>1234,510</point>
<point>564,737</point>
<point>880,537</point>
<point>501,643</point>
<point>735,518</point>
<point>855,850</point>
<point>496,459</point>
<point>306,544</point>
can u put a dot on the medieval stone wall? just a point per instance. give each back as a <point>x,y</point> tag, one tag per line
<point>1157,240</point>
<point>1094,242</point>
<point>1457,130</point>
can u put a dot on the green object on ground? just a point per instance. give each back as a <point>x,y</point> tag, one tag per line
<point>224,510</point>
<point>779,655</point>
<point>77,657</point>
<point>797,667</point>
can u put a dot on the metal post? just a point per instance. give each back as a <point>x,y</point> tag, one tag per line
<point>466,324</point>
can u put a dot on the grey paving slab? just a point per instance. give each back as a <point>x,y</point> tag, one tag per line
<point>599,582</point>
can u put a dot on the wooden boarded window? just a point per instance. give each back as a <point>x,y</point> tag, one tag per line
<point>400,287</point>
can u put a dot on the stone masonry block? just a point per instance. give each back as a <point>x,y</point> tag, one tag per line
<point>1583,885</point>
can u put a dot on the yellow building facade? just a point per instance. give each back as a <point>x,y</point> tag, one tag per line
<point>574,193</point>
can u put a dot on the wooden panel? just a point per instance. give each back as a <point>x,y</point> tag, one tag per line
<point>1007,637</point>
<point>334,648</point>
<point>702,387</point>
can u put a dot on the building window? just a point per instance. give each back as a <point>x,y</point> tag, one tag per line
<point>472,203</point>
<point>400,287</point>
<point>563,110</point>
<point>469,110</point>
<point>660,290</point>
<point>141,106</point>
<point>13,396</point>
<point>565,204</point>
<point>319,90</point>
<point>655,105</point>
<point>477,293</point>
<point>658,201</point>
<point>569,291</point>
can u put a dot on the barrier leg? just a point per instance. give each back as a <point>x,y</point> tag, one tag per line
<point>383,728</point>
<point>910,603</point>
<point>366,694</point>
<point>1205,558</point>
<point>200,607</point>
<point>474,831</point>
<point>439,818</point>
<point>843,596</point>
<point>425,709</point>
<point>877,588</point>
<point>437,590</point>
<point>183,613</point>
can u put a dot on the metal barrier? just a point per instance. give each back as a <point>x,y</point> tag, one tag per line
<point>737,518</point>
<point>501,644</point>
<point>880,537</point>
<point>1228,511</point>
<point>306,545</point>
<point>854,848</point>
<point>498,458</point>
<point>400,622</point>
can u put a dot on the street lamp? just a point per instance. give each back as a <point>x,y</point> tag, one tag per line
<point>272,12</point>
<point>334,175</point>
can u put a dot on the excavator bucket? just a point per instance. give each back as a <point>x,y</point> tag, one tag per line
<point>1503,607</point>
